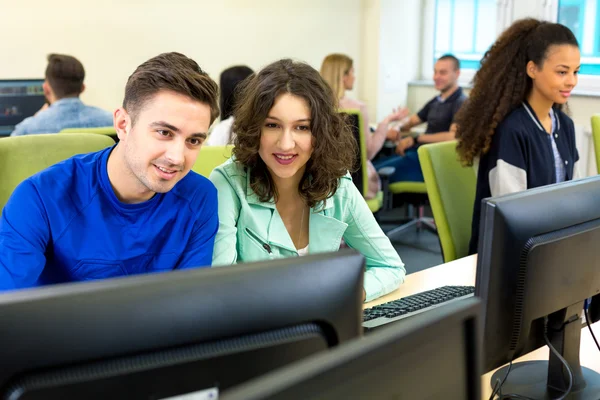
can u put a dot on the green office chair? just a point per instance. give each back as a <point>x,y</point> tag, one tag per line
<point>596,136</point>
<point>416,200</point>
<point>415,207</point>
<point>360,176</point>
<point>211,157</point>
<point>451,189</point>
<point>104,130</point>
<point>24,156</point>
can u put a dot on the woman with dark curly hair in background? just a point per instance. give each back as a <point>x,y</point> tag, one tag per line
<point>286,191</point>
<point>513,123</point>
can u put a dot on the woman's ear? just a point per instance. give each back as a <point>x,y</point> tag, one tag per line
<point>531,69</point>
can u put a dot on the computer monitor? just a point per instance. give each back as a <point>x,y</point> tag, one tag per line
<point>538,258</point>
<point>19,99</point>
<point>168,334</point>
<point>434,355</point>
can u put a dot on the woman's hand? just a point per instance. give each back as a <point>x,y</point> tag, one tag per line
<point>399,114</point>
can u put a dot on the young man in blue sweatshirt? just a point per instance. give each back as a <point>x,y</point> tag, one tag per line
<point>130,209</point>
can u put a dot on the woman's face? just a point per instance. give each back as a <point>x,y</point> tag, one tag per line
<point>286,141</point>
<point>348,79</point>
<point>557,76</point>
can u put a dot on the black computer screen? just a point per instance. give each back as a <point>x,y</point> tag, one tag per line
<point>433,356</point>
<point>538,262</point>
<point>19,99</point>
<point>166,334</point>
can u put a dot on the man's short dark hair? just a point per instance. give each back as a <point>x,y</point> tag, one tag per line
<point>174,72</point>
<point>65,75</point>
<point>452,58</point>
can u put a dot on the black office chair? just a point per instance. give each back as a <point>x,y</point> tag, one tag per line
<point>360,172</point>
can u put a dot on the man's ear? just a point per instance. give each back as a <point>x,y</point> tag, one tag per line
<point>48,93</point>
<point>82,88</point>
<point>122,123</point>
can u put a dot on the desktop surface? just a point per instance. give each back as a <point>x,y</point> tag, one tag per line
<point>19,99</point>
<point>462,272</point>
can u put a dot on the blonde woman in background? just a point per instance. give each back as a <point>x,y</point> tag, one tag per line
<point>338,72</point>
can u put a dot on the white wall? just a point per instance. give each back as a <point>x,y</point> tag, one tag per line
<point>112,37</point>
<point>368,75</point>
<point>391,53</point>
<point>527,8</point>
<point>399,52</point>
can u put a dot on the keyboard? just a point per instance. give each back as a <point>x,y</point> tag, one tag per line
<point>409,306</point>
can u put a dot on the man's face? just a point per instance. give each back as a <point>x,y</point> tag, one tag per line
<point>445,75</point>
<point>161,146</point>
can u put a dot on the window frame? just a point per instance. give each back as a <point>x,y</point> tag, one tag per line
<point>588,85</point>
<point>504,11</point>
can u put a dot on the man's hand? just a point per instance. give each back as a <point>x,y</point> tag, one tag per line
<point>392,134</point>
<point>404,144</point>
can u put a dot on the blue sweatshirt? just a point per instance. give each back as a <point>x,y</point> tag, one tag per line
<point>66,224</point>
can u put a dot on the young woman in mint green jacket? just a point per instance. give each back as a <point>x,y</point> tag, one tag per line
<point>286,191</point>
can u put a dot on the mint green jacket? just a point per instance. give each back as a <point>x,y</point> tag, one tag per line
<point>251,230</point>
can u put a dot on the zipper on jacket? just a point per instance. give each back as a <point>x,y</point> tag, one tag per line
<point>259,240</point>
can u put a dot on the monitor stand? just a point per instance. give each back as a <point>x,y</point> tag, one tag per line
<point>549,379</point>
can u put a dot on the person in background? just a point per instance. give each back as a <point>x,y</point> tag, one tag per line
<point>283,194</point>
<point>513,123</point>
<point>338,72</point>
<point>129,209</point>
<point>221,134</point>
<point>62,88</point>
<point>439,115</point>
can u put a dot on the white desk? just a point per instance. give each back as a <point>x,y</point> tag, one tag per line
<point>462,272</point>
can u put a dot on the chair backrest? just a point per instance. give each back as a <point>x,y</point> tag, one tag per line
<point>103,130</point>
<point>451,190</point>
<point>211,157</point>
<point>360,177</point>
<point>24,156</point>
<point>596,136</point>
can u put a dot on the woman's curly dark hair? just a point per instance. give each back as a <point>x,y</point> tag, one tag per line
<point>502,84</point>
<point>334,147</point>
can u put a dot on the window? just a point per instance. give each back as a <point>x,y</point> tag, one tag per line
<point>465,28</point>
<point>581,17</point>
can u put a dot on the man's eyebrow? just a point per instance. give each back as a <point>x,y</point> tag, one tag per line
<point>163,124</point>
